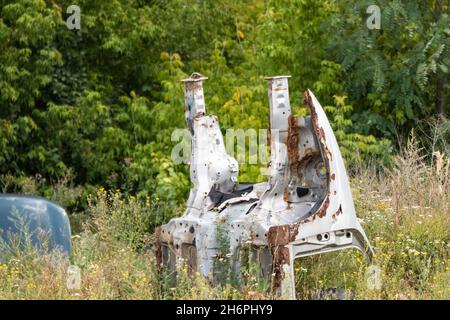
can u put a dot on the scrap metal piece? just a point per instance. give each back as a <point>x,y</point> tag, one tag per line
<point>305,207</point>
<point>33,220</point>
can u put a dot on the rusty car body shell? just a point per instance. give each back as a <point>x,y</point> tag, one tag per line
<point>305,207</point>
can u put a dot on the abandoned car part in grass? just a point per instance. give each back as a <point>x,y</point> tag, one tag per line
<point>305,208</point>
<point>31,220</point>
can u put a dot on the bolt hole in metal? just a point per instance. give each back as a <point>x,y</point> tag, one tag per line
<point>323,237</point>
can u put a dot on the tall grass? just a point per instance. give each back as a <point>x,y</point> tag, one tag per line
<point>404,211</point>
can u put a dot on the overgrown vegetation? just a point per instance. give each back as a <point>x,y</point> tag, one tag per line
<point>404,212</point>
<point>86,118</point>
<point>103,101</point>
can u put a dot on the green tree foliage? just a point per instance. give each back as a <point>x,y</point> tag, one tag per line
<point>393,75</point>
<point>357,148</point>
<point>101,103</point>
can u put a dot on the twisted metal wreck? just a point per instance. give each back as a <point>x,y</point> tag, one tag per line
<point>305,207</point>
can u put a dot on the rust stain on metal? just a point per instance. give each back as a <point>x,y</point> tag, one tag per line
<point>286,197</point>
<point>193,85</point>
<point>280,256</point>
<point>307,100</point>
<point>308,155</point>
<point>194,82</point>
<point>320,133</point>
<point>292,143</point>
<point>282,234</point>
<point>323,208</point>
